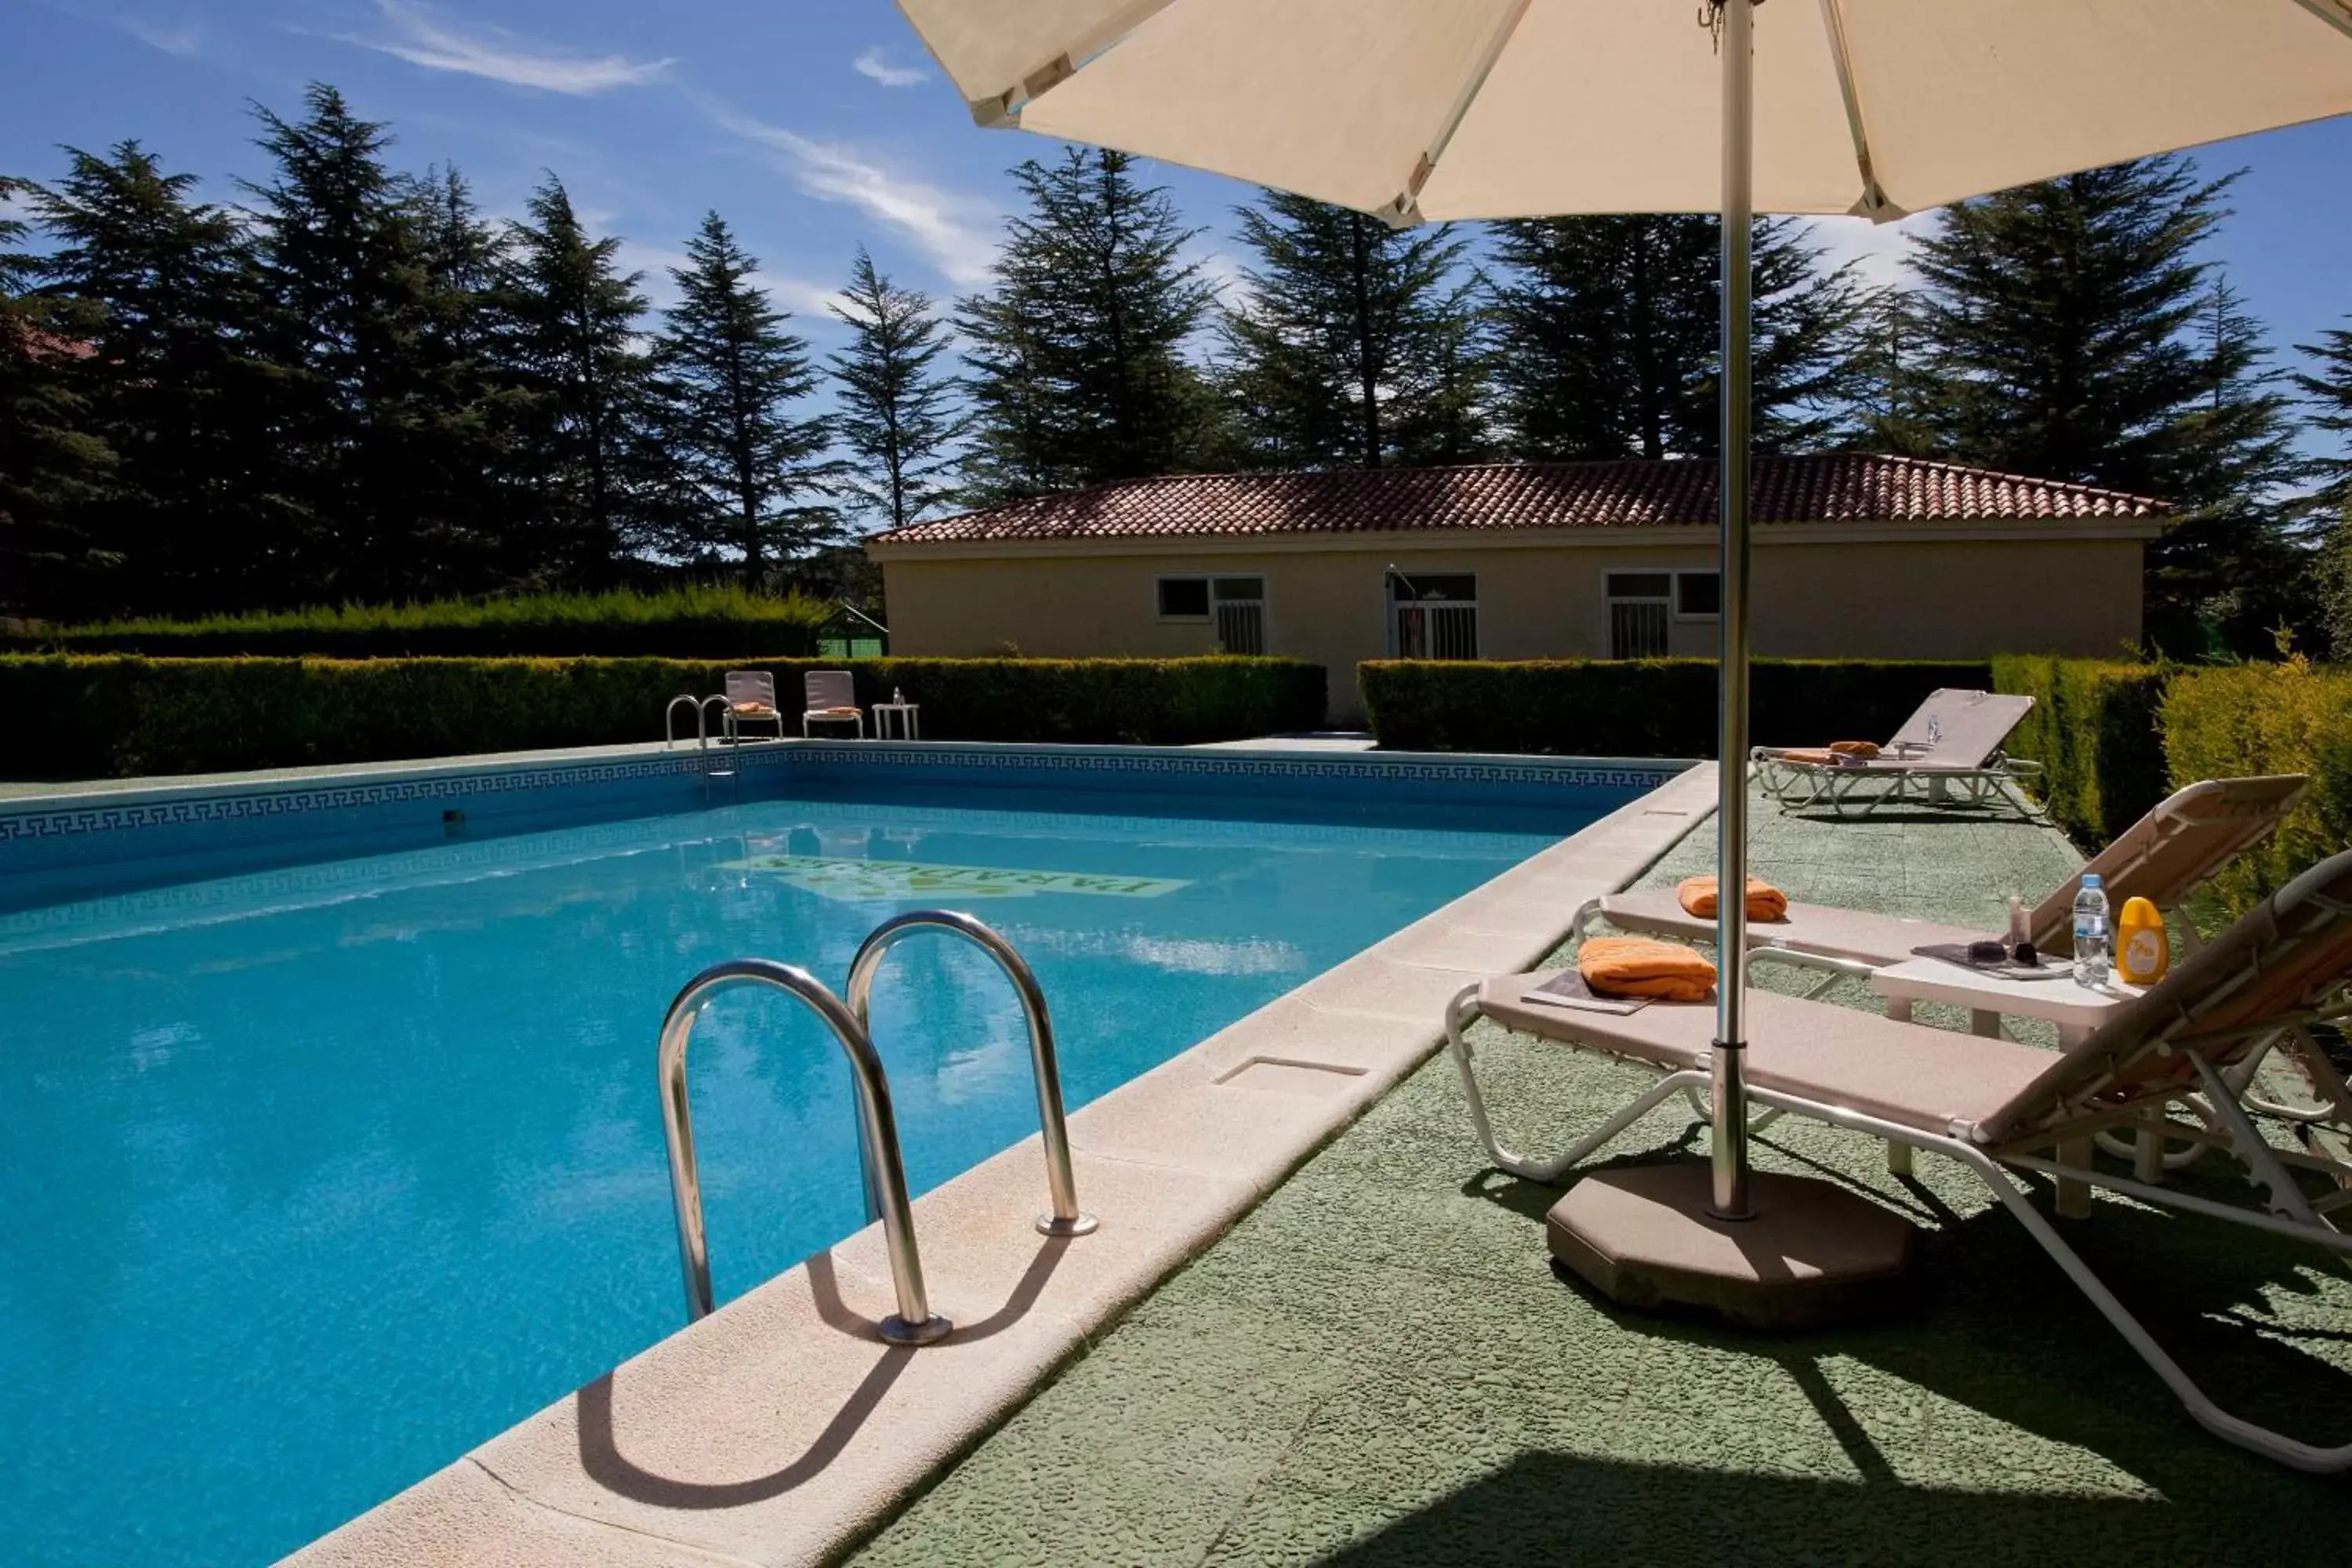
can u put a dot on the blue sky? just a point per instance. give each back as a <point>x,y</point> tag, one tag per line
<point>812,125</point>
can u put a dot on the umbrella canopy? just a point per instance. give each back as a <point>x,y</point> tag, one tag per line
<point>1485,109</point>
<point>1488,109</point>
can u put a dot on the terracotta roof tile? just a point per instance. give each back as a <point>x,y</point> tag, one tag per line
<point>1826,487</point>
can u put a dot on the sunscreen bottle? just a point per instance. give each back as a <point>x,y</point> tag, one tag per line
<point>2143,951</point>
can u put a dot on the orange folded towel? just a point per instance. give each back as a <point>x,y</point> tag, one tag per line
<point>1642,966</point>
<point>1865,750</point>
<point>1765,901</point>
<point>1819,757</point>
<point>753,709</point>
<point>837,713</point>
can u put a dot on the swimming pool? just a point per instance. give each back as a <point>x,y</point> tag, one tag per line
<point>319,1175</point>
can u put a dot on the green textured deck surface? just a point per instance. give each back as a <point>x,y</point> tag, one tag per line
<point>1379,1366</point>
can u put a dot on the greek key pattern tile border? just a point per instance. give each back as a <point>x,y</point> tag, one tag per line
<point>233,806</point>
<point>1423,768</point>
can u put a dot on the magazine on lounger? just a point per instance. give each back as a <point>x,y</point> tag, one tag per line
<point>1568,989</point>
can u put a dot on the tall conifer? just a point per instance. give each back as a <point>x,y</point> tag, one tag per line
<point>347,320</point>
<point>2327,387</point>
<point>1079,349</point>
<point>1607,331</point>
<point>898,418</point>
<point>746,464</point>
<point>1352,344</point>
<point>576,320</point>
<point>52,465</point>
<point>196,514</point>
<point>2078,333</point>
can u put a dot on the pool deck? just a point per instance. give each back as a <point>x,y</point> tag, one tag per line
<point>781,1429</point>
<point>1377,1366</point>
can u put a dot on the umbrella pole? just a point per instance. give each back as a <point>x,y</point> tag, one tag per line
<point>1730,1143</point>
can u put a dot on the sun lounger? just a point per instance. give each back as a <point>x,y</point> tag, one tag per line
<point>1948,751</point>
<point>2165,855</point>
<point>1997,1108</point>
<point>830,696</point>
<point>752,699</point>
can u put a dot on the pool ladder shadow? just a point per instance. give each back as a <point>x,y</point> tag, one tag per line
<point>884,1173</point>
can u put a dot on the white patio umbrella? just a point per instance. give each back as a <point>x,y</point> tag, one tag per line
<point>1487,108</point>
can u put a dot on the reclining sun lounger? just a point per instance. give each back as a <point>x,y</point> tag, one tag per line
<point>1997,1107</point>
<point>2165,855</point>
<point>1954,740</point>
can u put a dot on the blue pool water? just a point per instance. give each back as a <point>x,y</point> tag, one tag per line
<point>316,1178</point>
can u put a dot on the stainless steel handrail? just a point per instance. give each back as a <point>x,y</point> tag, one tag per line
<point>914,1324</point>
<point>726,717</point>
<point>669,721</point>
<point>1066,1218</point>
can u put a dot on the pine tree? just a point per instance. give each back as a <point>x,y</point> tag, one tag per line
<point>576,357</point>
<point>52,465</point>
<point>1079,351</point>
<point>897,417</point>
<point>470,410</point>
<point>1889,382</point>
<point>193,516</point>
<point>1354,342</point>
<point>2230,570</point>
<point>348,320</point>
<point>748,474</point>
<point>2327,387</point>
<point>1607,331</point>
<point>2077,334</point>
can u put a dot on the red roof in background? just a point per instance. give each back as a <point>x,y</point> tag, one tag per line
<point>1632,493</point>
<point>40,343</point>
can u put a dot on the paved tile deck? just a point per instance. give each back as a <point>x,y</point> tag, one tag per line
<point>1377,1366</point>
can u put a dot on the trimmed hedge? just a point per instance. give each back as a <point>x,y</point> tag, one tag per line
<point>77,717</point>
<point>1640,708</point>
<point>687,622</point>
<point>2094,729</point>
<point>2287,717</point>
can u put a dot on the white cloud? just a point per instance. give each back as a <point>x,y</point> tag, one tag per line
<point>1219,271</point>
<point>807,299</point>
<point>810,303</point>
<point>874,65</point>
<point>183,40</point>
<point>654,263</point>
<point>484,50</point>
<point>1876,249</point>
<point>958,233</point>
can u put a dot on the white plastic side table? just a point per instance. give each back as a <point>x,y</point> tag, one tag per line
<point>2076,1009</point>
<point>910,717</point>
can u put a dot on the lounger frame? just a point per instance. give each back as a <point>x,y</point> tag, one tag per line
<point>1801,786</point>
<point>2289,1211</point>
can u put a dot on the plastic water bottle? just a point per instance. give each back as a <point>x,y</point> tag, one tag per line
<point>2094,933</point>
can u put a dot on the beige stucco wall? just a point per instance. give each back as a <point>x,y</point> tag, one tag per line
<point>1893,599</point>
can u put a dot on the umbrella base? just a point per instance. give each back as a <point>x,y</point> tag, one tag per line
<point>1815,1255</point>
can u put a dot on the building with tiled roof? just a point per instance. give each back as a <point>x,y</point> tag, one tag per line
<point>1855,556</point>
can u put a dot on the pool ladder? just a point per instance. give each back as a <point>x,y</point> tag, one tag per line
<point>707,760</point>
<point>914,1324</point>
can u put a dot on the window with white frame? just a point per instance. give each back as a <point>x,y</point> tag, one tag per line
<point>1236,606</point>
<point>1433,614</point>
<point>1699,595</point>
<point>1640,604</point>
<point>1644,606</point>
<point>1183,598</point>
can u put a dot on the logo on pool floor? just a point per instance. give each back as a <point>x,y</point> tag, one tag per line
<point>871,881</point>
